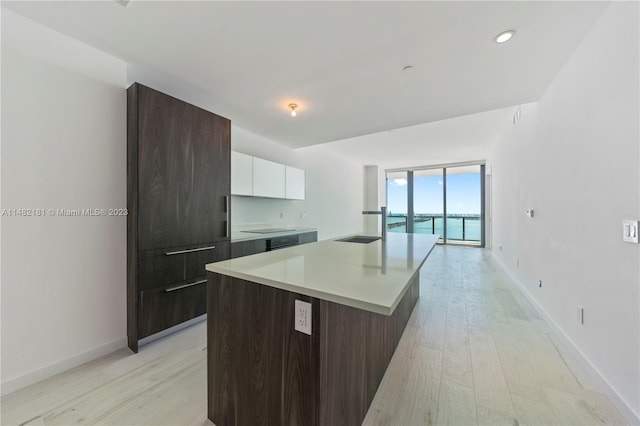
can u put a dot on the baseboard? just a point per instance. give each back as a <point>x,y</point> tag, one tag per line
<point>595,374</point>
<point>25,380</point>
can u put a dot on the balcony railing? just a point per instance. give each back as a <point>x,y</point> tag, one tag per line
<point>460,227</point>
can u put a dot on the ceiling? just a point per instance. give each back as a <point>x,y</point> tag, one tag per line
<point>454,140</point>
<point>341,62</point>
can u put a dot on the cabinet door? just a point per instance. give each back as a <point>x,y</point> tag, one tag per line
<point>183,172</point>
<point>295,183</point>
<point>268,179</point>
<point>241,174</point>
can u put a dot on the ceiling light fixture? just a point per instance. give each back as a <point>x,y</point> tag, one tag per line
<point>293,109</point>
<point>504,36</point>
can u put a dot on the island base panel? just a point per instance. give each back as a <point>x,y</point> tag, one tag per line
<point>356,347</point>
<point>261,371</point>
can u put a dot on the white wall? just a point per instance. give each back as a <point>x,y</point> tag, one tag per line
<point>334,189</point>
<point>574,158</point>
<point>63,147</point>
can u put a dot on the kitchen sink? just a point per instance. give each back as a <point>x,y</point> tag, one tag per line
<point>362,239</point>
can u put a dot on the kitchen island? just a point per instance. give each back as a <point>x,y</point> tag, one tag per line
<point>262,371</point>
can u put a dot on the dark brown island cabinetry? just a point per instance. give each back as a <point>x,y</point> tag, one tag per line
<point>178,189</point>
<point>260,371</point>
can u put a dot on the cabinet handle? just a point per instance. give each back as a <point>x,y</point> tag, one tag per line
<point>226,208</point>
<point>167,290</point>
<point>171,253</point>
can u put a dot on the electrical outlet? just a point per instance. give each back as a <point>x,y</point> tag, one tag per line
<point>303,317</point>
<point>580,316</point>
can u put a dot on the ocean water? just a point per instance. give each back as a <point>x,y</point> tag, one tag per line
<point>454,227</point>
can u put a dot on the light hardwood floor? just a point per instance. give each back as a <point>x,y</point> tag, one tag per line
<point>474,352</point>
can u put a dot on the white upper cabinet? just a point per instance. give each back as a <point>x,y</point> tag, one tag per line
<point>268,178</point>
<point>295,182</point>
<point>241,174</point>
<point>252,176</point>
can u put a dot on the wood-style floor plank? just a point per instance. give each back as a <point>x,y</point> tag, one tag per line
<point>582,408</point>
<point>489,383</point>
<point>457,366</point>
<point>433,329</point>
<point>517,363</point>
<point>117,401</point>
<point>529,412</point>
<point>475,351</point>
<point>456,406</point>
<point>489,417</point>
<point>419,402</point>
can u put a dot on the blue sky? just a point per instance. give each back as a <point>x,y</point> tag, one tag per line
<point>463,194</point>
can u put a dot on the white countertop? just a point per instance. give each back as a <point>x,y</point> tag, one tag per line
<point>373,276</point>
<point>246,235</point>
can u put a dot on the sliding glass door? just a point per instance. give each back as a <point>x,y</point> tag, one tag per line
<point>464,198</point>
<point>428,202</point>
<point>442,200</point>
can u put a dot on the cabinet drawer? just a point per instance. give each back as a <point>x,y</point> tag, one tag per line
<point>160,268</point>
<point>307,237</point>
<point>246,248</point>
<point>276,243</point>
<point>196,261</point>
<point>162,308</point>
<point>157,269</point>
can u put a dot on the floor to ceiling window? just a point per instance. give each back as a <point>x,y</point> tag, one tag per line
<point>397,199</point>
<point>443,200</point>
<point>428,202</point>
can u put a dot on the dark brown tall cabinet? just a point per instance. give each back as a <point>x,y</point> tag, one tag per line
<point>178,189</point>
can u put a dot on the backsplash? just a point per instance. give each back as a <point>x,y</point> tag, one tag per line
<point>251,212</point>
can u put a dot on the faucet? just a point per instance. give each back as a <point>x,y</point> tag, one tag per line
<point>383,212</point>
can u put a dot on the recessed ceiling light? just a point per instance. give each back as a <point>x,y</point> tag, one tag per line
<point>504,36</point>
